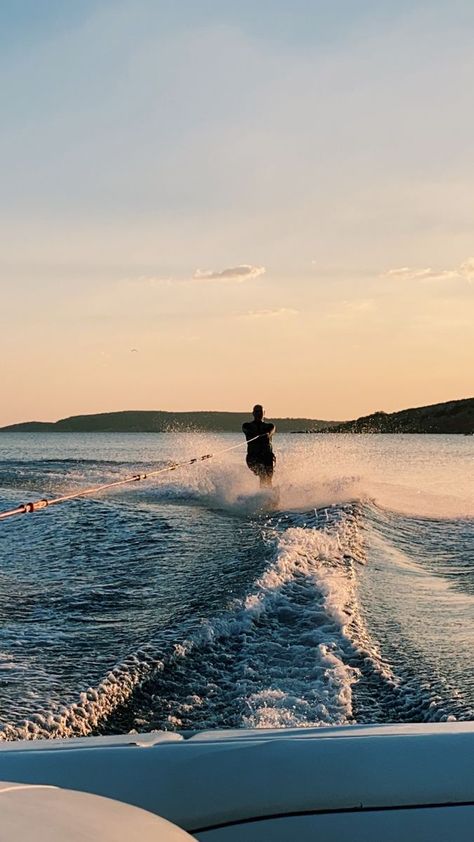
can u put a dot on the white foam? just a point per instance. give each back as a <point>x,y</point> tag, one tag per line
<point>288,654</point>
<point>289,639</point>
<point>81,718</point>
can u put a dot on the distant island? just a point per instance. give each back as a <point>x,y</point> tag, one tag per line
<point>450,417</point>
<point>159,422</point>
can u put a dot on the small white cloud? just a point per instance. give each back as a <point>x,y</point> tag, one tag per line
<point>406,273</point>
<point>280,313</point>
<point>464,272</point>
<point>244,272</point>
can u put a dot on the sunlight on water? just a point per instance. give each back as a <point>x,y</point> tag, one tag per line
<point>344,594</point>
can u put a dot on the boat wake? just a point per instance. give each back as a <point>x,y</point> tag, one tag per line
<point>320,637</point>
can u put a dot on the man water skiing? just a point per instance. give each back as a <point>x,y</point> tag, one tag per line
<point>260,456</point>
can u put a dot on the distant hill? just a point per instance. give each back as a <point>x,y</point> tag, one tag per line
<point>450,417</point>
<point>159,422</point>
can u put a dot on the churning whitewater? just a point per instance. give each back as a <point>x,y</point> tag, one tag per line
<point>198,601</point>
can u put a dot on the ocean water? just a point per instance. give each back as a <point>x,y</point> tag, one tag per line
<point>197,601</point>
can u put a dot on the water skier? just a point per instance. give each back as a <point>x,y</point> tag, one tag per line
<point>260,456</point>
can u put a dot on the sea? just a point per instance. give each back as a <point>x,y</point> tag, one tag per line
<point>196,600</point>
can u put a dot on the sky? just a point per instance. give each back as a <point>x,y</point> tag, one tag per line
<point>209,204</point>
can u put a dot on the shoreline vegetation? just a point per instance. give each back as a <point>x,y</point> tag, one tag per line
<point>159,422</point>
<point>451,417</point>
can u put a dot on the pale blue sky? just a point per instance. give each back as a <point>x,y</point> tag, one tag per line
<point>302,21</point>
<point>326,142</point>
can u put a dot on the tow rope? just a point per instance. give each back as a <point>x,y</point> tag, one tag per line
<point>37,505</point>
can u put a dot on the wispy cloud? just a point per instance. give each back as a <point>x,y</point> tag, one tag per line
<point>280,313</point>
<point>243,272</point>
<point>406,273</point>
<point>352,309</point>
<point>234,274</point>
<point>364,305</point>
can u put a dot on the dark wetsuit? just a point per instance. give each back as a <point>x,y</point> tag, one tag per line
<point>260,456</point>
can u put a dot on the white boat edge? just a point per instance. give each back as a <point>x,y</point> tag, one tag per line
<point>213,782</point>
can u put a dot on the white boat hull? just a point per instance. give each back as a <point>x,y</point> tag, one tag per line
<point>360,782</point>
